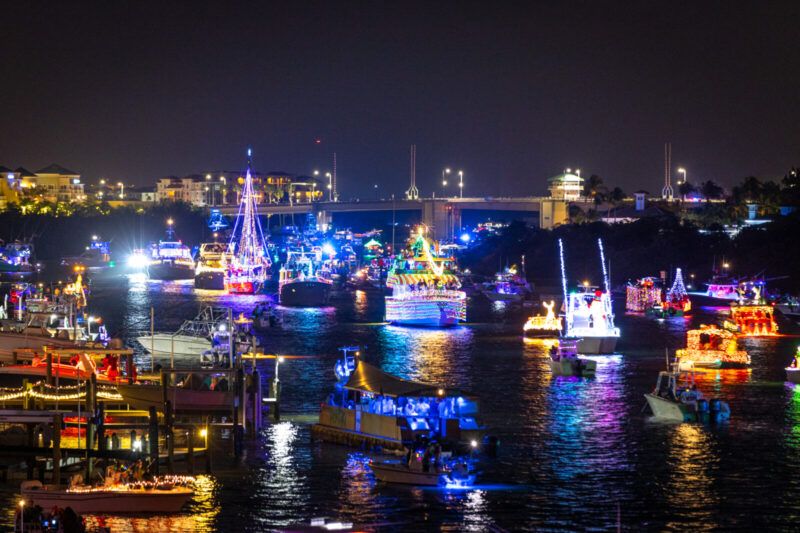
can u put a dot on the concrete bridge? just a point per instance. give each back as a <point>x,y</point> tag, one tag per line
<point>442,215</point>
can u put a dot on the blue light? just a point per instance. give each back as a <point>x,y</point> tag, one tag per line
<point>328,249</point>
<point>465,237</point>
<point>249,152</point>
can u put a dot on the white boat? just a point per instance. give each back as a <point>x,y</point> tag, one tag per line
<point>676,398</point>
<point>209,329</point>
<point>114,499</point>
<point>212,261</point>
<point>564,361</point>
<point>400,473</point>
<point>589,317</point>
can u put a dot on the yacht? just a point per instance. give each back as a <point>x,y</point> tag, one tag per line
<point>170,259</point>
<point>212,261</point>
<point>301,284</point>
<point>210,329</point>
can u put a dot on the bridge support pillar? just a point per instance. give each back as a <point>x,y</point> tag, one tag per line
<point>553,213</point>
<point>435,215</point>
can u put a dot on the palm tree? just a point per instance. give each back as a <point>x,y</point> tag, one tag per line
<point>711,190</point>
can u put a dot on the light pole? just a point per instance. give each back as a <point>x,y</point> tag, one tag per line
<point>224,189</point>
<point>330,186</point>
<point>376,193</point>
<point>445,172</point>
<point>461,184</point>
<point>682,170</point>
<point>22,516</point>
<point>121,190</point>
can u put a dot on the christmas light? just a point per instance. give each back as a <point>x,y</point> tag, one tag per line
<point>710,346</point>
<point>645,294</point>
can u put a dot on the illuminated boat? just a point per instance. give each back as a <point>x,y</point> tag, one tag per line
<point>369,406</point>
<point>712,347</point>
<point>170,259</point>
<point>643,295</point>
<point>96,257</point>
<point>588,314</point>
<point>425,288</point>
<point>212,263</point>
<point>247,270</point>
<point>158,496</point>
<point>751,316</point>
<point>564,360</point>
<point>676,398</point>
<point>300,284</point>
<point>545,326</point>
<point>793,370</point>
<point>209,329</point>
<point>451,474</point>
<point>15,260</point>
<point>676,302</point>
<point>508,286</point>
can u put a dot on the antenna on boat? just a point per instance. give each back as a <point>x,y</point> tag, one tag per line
<point>603,262</point>
<point>563,272</point>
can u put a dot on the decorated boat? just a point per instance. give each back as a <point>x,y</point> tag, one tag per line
<point>793,370</point>
<point>712,347</point>
<point>676,302</point>
<point>210,329</point>
<point>644,294</point>
<point>369,406</point>
<point>162,495</point>
<point>425,288</point>
<point>676,398</point>
<point>588,314</point>
<point>249,265</point>
<point>96,257</point>
<point>212,263</point>
<point>751,315</point>
<point>301,282</point>
<point>15,260</point>
<point>509,285</point>
<point>170,259</point>
<point>543,326</point>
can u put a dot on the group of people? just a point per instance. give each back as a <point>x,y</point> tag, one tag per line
<point>194,381</point>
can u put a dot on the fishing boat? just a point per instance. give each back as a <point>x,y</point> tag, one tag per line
<point>300,283</point>
<point>644,294</point>
<point>159,496</point>
<point>170,259</point>
<point>793,370</point>
<point>212,263</point>
<point>712,347</point>
<point>588,315</point>
<point>96,257</point>
<point>425,288</point>
<point>564,360</point>
<point>369,406</point>
<point>546,326</point>
<point>508,286</point>
<point>676,398</point>
<point>455,473</point>
<point>208,330</point>
<point>249,264</point>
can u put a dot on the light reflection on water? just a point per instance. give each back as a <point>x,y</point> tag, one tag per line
<point>572,449</point>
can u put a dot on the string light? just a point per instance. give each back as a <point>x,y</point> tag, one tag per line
<point>643,295</point>
<point>712,347</point>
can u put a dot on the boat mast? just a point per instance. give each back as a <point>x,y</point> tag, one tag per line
<point>567,306</point>
<point>603,263</point>
<point>251,244</point>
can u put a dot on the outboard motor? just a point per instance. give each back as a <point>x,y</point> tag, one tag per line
<point>702,406</point>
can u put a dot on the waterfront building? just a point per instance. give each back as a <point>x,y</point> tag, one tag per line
<point>190,189</point>
<point>53,183</point>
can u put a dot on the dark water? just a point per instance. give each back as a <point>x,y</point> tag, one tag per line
<point>575,454</point>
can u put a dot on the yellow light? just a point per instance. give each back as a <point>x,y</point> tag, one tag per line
<point>22,503</point>
<point>281,359</point>
<point>440,392</point>
<point>726,265</point>
<point>204,432</point>
<point>585,283</point>
<point>170,221</point>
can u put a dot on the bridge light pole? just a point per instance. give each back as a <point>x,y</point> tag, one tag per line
<point>445,172</point>
<point>330,186</point>
<point>461,184</point>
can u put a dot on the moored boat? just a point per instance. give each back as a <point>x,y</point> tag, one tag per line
<point>170,259</point>
<point>210,329</point>
<point>300,285</point>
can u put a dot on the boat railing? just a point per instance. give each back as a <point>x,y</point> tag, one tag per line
<point>417,294</point>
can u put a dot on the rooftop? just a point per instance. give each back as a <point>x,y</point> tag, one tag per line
<point>57,169</point>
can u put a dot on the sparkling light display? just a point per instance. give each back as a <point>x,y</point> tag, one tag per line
<point>712,347</point>
<point>588,313</point>
<point>752,320</point>
<point>247,270</point>
<point>643,295</point>
<point>677,300</point>
<point>548,324</point>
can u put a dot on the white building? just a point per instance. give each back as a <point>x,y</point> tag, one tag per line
<point>191,190</point>
<point>566,186</point>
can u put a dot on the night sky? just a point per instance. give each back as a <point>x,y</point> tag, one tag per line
<point>511,93</point>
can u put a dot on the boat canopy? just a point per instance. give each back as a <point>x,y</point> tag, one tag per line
<point>369,378</point>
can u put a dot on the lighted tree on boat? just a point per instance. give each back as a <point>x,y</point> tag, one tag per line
<point>677,300</point>
<point>247,270</point>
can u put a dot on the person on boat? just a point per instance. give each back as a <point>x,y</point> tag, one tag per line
<point>37,360</point>
<point>426,460</point>
<point>206,384</point>
<point>222,384</point>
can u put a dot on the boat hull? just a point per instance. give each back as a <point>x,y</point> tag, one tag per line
<point>431,313</point>
<point>305,294</point>
<point>500,297</point>
<point>165,344</point>
<point>183,400</point>
<point>400,474</point>
<point>570,366</point>
<point>214,281</point>
<point>669,410</point>
<point>597,345</point>
<point>110,501</point>
<point>168,271</point>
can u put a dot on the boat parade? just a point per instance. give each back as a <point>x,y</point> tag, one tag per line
<point>415,268</point>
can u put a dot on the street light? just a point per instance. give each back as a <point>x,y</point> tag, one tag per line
<point>461,184</point>
<point>22,516</point>
<point>444,179</point>
<point>330,186</point>
<point>682,170</point>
